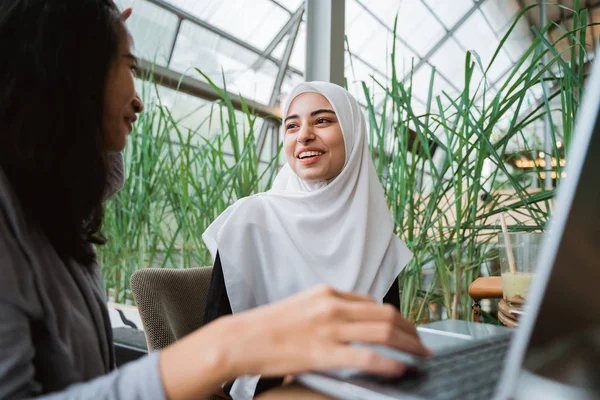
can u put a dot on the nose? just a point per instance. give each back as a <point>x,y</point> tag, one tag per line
<point>138,104</point>
<point>306,134</point>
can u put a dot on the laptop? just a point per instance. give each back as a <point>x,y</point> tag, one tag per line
<point>555,351</point>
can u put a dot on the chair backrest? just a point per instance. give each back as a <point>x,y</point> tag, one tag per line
<point>171,302</point>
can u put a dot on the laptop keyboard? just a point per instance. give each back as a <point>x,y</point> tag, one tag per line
<point>471,373</point>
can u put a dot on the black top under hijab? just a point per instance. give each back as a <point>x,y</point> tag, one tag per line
<point>218,305</point>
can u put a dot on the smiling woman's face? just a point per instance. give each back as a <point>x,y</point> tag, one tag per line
<point>313,141</point>
<point>122,103</point>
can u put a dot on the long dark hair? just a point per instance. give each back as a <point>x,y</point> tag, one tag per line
<point>55,58</point>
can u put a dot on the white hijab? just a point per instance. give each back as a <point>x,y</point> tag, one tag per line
<point>299,234</point>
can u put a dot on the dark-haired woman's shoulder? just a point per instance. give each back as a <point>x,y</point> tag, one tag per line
<point>54,326</point>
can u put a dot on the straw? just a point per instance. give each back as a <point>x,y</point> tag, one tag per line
<point>509,252</point>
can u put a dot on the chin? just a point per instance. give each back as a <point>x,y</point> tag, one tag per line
<point>312,177</point>
<point>117,144</point>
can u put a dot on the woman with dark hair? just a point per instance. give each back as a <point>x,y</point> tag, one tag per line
<point>67,104</point>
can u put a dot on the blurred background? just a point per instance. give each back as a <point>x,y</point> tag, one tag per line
<point>471,107</point>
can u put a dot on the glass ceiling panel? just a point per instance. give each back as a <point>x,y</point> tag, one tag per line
<point>450,60</point>
<point>298,57</point>
<point>353,12</point>
<point>290,81</point>
<point>421,81</point>
<point>361,27</point>
<point>373,47</point>
<point>502,63</point>
<point>290,4</point>
<point>450,12</point>
<point>405,59</point>
<point>500,17</point>
<point>257,22</point>
<point>369,26</point>
<point>153,30</point>
<point>384,10</point>
<point>484,42</point>
<point>422,24</point>
<point>190,112</point>
<point>196,117</point>
<point>519,40</point>
<point>356,72</point>
<point>201,118</point>
<point>279,49</point>
<point>219,56</point>
<point>418,27</point>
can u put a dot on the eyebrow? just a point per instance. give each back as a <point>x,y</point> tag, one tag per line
<point>312,114</point>
<point>132,57</point>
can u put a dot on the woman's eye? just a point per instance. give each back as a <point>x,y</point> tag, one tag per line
<point>291,126</point>
<point>322,121</point>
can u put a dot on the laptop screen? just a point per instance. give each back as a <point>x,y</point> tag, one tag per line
<point>566,289</point>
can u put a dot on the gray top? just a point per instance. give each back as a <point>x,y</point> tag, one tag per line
<point>55,333</point>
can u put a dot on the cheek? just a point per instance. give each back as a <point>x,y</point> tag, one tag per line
<point>123,89</point>
<point>113,102</point>
<point>338,149</point>
<point>289,147</point>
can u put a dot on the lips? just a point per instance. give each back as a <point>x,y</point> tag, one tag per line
<point>129,122</point>
<point>308,154</point>
<point>309,160</point>
<point>305,151</point>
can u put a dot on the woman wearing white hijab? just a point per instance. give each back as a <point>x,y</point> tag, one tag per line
<point>325,220</point>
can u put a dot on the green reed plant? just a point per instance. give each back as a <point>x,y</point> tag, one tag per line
<point>439,200</point>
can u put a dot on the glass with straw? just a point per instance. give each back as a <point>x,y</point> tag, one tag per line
<point>518,253</point>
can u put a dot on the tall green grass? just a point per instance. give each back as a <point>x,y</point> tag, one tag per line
<point>439,202</point>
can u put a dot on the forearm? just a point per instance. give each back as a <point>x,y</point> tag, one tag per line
<point>197,365</point>
<point>138,380</point>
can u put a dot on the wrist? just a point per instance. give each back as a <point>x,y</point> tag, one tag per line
<point>222,358</point>
<point>198,365</point>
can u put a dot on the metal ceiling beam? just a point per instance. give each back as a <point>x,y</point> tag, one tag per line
<point>325,30</point>
<point>174,42</point>
<point>183,83</point>
<point>289,47</point>
<point>278,4</point>
<point>289,25</point>
<point>285,60</point>
<point>197,21</point>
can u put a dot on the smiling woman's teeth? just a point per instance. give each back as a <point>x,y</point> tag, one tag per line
<point>307,154</point>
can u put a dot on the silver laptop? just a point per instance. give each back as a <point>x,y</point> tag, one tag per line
<point>555,351</point>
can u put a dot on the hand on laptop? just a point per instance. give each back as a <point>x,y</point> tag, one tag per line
<point>313,331</point>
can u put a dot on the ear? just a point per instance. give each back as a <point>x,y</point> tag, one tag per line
<point>126,14</point>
